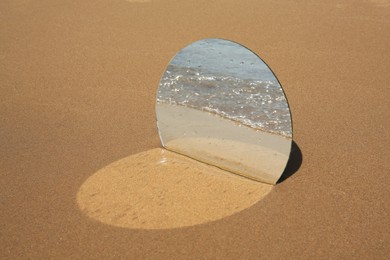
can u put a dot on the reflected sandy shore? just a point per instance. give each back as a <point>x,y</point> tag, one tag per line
<point>159,189</point>
<point>209,138</point>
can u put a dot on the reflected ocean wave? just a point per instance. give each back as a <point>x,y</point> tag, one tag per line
<point>256,103</point>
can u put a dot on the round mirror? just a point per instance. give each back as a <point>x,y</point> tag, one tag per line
<point>219,103</point>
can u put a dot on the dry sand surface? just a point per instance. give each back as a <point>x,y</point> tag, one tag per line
<point>78,81</point>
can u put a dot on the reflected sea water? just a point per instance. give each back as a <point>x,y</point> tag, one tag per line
<point>231,82</point>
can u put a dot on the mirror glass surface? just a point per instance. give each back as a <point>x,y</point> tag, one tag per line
<point>219,103</point>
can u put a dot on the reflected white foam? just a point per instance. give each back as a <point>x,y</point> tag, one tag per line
<point>255,103</point>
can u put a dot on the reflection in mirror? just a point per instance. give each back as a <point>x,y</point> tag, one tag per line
<point>219,103</point>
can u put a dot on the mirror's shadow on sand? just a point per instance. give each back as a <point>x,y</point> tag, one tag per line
<point>294,162</point>
<point>159,189</point>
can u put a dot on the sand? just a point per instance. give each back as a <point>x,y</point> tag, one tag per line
<point>78,81</point>
<point>223,143</point>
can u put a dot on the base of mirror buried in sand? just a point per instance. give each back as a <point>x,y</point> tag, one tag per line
<point>221,142</point>
<point>159,189</point>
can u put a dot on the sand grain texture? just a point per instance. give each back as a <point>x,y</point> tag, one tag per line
<point>78,81</point>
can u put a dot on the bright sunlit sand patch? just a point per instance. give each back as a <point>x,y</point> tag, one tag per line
<point>159,189</point>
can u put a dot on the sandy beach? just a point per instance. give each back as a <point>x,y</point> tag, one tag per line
<point>78,83</point>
